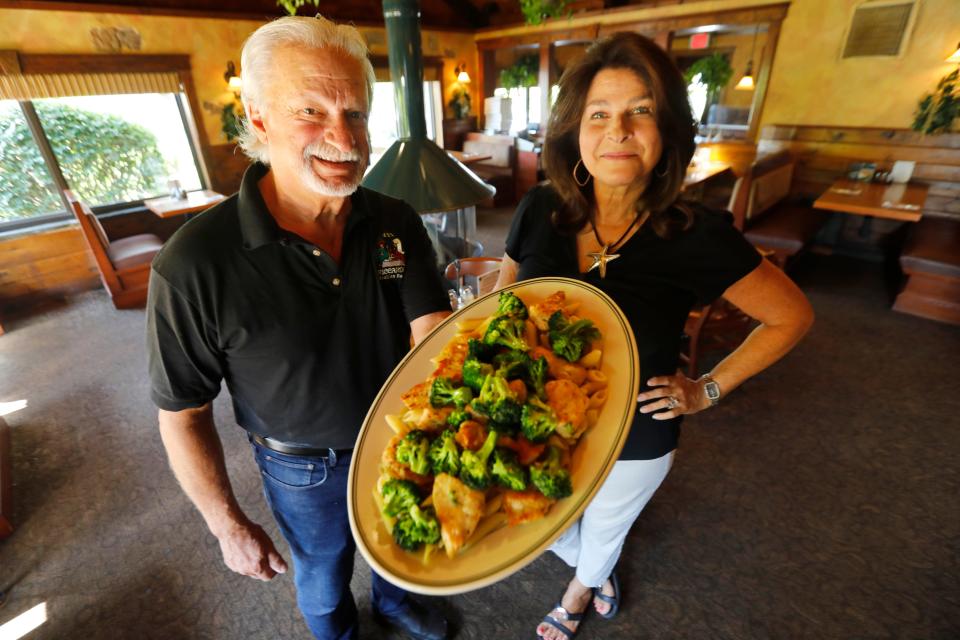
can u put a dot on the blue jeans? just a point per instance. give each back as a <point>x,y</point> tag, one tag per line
<point>308,496</point>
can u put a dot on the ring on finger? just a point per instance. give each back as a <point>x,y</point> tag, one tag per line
<point>672,402</point>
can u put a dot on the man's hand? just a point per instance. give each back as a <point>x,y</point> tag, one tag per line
<point>249,551</point>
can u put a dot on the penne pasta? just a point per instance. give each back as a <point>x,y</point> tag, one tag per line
<point>598,399</point>
<point>597,376</point>
<point>591,360</point>
<point>487,526</point>
<point>396,423</point>
<point>468,325</point>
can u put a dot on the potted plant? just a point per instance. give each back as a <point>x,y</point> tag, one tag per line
<point>536,11</point>
<point>937,111</point>
<point>715,72</point>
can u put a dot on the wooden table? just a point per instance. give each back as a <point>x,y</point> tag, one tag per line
<point>467,158</point>
<point>892,201</point>
<point>703,172</point>
<point>168,207</point>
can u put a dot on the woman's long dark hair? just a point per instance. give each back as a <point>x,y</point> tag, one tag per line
<point>561,150</point>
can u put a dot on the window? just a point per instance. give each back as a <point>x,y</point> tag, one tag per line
<point>26,188</point>
<point>115,137</point>
<point>383,116</point>
<point>524,106</point>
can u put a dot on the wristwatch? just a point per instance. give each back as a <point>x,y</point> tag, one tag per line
<point>711,389</point>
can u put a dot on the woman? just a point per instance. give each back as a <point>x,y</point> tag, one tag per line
<point>618,144</point>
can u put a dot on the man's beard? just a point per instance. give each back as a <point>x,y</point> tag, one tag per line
<point>344,186</point>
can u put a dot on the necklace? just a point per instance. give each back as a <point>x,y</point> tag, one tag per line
<point>601,258</point>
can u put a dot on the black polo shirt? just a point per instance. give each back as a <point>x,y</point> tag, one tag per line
<point>655,281</point>
<point>304,344</point>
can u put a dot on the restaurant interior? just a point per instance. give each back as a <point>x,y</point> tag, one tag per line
<point>818,500</point>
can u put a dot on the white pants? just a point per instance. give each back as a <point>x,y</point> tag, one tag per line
<point>593,544</point>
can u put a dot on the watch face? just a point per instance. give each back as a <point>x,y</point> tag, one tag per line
<point>712,390</point>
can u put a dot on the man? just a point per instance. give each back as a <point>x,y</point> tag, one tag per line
<point>281,291</point>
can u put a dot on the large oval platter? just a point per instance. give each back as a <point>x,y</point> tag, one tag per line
<point>508,549</point>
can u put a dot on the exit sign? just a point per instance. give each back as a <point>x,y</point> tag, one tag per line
<point>700,41</point>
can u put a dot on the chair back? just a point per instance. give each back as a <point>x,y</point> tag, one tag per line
<point>485,269</point>
<point>766,183</point>
<point>96,239</point>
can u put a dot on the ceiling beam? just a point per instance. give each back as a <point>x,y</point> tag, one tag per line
<point>477,18</point>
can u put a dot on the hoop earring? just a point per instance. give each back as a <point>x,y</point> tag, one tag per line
<point>577,180</point>
<point>666,171</point>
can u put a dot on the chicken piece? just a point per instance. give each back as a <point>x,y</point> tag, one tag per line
<point>471,435</point>
<point>394,469</point>
<point>525,506</point>
<point>540,312</point>
<point>526,451</point>
<point>459,509</point>
<point>450,361</point>
<point>570,404</point>
<point>519,389</point>
<point>421,414</point>
<point>417,396</point>
<point>558,368</point>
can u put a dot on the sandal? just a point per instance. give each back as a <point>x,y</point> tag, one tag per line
<point>558,624</point>
<point>613,601</point>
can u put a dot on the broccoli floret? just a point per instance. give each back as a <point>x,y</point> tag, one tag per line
<point>512,364</point>
<point>398,496</point>
<point>444,454</point>
<point>477,350</point>
<point>568,339</point>
<point>416,527</point>
<point>537,420</point>
<point>443,392</point>
<point>498,402</point>
<point>474,373</point>
<point>413,450</point>
<point>511,305</point>
<point>457,416</point>
<point>550,477</point>
<point>506,331</point>
<point>536,376</point>
<point>474,470</point>
<point>507,471</point>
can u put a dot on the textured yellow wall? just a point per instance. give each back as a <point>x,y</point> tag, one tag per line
<point>209,42</point>
<point>811,84</point>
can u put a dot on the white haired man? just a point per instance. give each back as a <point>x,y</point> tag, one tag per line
<point>279,291</point>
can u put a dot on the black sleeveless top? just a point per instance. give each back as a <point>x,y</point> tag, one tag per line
<point>656,282</point>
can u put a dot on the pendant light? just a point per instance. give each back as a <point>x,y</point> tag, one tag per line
<point>746,82</point>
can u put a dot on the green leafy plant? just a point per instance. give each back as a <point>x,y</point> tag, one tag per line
<point>291,6</point>
<point>715,72</point>
<point>937,111</point>
<point>523,73</point>
<point>536,11</point>
<point>103,157</point>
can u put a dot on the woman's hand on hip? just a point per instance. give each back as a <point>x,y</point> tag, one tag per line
<point>672,396</point>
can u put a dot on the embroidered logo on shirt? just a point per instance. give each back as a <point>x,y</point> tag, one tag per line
<point>391,258</point>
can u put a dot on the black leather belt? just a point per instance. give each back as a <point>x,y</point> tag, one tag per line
<point>295,449</point>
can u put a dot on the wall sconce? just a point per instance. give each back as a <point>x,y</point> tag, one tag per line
<point>461,72</point>
<point>746,82</point>
<point>956,55</point>
<point>232,79</point>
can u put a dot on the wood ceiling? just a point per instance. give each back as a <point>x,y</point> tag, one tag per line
<point>466,15</point>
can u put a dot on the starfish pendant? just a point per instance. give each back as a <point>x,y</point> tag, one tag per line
<point>601,259</point>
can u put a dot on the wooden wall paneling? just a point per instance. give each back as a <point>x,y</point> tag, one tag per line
<point>227,164</point>
<point>45,265</point>
<point>825,153</point>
